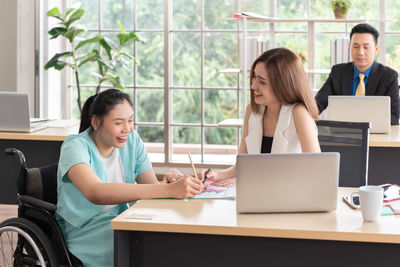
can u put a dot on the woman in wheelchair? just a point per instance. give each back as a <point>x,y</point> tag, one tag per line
<point>102,169</point>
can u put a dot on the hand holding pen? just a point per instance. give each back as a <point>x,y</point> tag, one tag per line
<point>205,174</point>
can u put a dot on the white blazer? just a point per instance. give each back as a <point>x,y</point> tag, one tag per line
<point>285,139</point>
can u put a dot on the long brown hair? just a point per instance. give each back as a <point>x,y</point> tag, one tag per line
<point>287,78</point>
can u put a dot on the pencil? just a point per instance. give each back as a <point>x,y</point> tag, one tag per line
<point>191,163</point>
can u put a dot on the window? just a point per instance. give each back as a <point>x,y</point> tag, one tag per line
<point>178,91</point>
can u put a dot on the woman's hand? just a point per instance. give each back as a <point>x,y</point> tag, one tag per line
<point>224,182</point>
<point>187,186</point>
<point>211,176</point>
<point>172,176</point>
<point>214,179</point>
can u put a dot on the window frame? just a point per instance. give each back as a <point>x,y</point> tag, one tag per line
<point>168,32</point>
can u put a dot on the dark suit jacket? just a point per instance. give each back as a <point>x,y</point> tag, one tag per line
<point>382,81</point>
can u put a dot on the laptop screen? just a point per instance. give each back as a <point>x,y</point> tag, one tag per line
<point>14,112</point>
<point>296,182</point>
<point>374,109</point>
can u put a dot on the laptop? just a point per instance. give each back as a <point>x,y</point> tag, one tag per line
<point>374,109</point>
<point>14,113</point>
<point>296,182</point>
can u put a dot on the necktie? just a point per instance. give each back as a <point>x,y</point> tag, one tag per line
<point>361,86</point>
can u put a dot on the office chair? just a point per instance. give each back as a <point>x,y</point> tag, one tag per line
<point>351,140</point>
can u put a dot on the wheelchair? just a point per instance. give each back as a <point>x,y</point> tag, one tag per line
<point>34,237</point>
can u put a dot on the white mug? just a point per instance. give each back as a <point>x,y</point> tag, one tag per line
<point>371,200</point>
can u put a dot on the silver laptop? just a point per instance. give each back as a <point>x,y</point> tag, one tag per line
<point>374,109</point>
<point>296,182</point>
<point>14,113</point>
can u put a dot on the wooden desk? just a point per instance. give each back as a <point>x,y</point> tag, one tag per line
<point>40,148</point>
<point>46,134</point>
<point>391,139</point>
<point>195,232</point>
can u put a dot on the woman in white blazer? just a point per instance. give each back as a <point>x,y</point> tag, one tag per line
<point>280,117</point>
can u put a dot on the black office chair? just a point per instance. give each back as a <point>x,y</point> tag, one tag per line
<point>351,140</point>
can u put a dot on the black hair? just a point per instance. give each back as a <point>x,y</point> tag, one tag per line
<point>100,104</point>
<point>365,28</point>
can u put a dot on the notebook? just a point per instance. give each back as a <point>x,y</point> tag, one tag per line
<point>374,109</point>
<point>296,182</point>
<point>14,113</point>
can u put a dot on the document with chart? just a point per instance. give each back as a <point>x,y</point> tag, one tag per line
<point>218,192</point>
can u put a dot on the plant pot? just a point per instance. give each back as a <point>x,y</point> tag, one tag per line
<point>340,13</point>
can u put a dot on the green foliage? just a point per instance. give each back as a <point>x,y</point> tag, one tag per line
<point>220,51</point>
<point>108,66</point>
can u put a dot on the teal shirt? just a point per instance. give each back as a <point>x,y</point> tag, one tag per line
<point>86,227</point>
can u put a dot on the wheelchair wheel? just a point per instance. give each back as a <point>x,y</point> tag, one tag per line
<point>23,243</point>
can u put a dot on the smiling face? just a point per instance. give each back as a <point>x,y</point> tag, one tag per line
<point>261,86</point>
<point>363,50</point>
<point>114,129</point>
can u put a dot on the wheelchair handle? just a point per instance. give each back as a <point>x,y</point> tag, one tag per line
<point>13,152</point>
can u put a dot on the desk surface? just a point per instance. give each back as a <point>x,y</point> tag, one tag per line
<point>60,133</point>
<point>201,216</point>
<point>46,134</point>
<point>391,139</point>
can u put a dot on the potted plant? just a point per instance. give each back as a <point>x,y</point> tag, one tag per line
<point>108,62</point>
<point>340,8</point>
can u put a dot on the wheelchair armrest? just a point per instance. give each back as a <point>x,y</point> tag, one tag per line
<point>38,203</point>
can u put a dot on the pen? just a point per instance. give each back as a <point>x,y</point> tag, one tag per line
<point>191,163</point>
<point>205,174</point>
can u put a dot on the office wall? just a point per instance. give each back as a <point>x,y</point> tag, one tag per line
<point>8,45</point>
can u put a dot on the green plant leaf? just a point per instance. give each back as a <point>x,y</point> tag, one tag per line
<point>59,65</point>
<point>104,43</point>
<point>91,56</point>
<point>123,63</point>
<point>75,16</point>
<point>114,80</point>
<point>123,38</point>
<point>55,13</point>
<point>69,10</point>
<point>57,31</point>
<point>94,39</point>
<point>127,55</point>
<point>72,33</point>
<point>111,43</point>
<point>133,36</point>
<point>53,62</point>
<point>104,64</point>
<point>121,26</point>
<point>126,37</point>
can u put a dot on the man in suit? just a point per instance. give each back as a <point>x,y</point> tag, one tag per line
<point>377,79</point>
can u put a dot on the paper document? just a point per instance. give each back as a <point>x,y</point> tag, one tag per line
<point>391,199</point>
<point>218,192</point>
